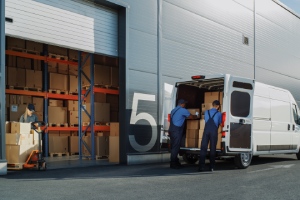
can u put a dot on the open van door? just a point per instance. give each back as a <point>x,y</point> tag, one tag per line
<point>240,116</point>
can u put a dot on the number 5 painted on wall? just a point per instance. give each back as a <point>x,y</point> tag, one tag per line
<point>145,116</point>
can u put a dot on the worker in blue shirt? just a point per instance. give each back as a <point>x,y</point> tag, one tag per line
<point>213,119</point>
<point>178,116</point>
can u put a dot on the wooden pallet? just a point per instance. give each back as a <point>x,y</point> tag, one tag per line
<point>74,153</point>
<point>56,56</point>
<point>24,50</point>
<point>58,125</point>
<point>59,154</point>
<point>96,157</point>
<point>95,124</point>
<point>73,93</point>
<point>15,166</point>
<point>74,125</point>
<point>73,59</point>
<point>24,88</point>
<point>58,91</point>
<point>85,123</point>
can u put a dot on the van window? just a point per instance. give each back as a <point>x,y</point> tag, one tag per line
<point>246,86</point>
<point>295,114</point>
<point>240,104</point>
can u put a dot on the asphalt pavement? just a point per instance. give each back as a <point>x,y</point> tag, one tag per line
<point>271,177</point>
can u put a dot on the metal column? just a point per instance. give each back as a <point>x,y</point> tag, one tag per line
<point>3,162</point>
<point>81,106</point>
<point>45,89</point>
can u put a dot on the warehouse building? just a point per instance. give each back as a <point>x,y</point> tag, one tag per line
<point>144,47</point>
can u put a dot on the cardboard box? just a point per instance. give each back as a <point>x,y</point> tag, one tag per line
<point>56,103</point>
<point>40,116</point>
<point>15,42</point>
<point>102,145</point>
<point>191,142</point>
<point>114,129</point>
<point>218,143</point>
<point>18,153</point>
<point>209,97</point>
<point>73,144</point>
<point>16,111</point>
<point>72,105</point>
<point>23,99</point>
<point>38,104</point>
<point>201,131</point>
<point>29,78</point>
<point>58,144</point>
<point>102,134</point>
<point>221,96</point>
<point>101,75</point>
<point>13,99</point>
<point>34,46</point>
<point>192,124</point>
<point>73,84</point>
<point>206,106</point>
<point>52,67</point>
<point>73,54</point>
<point>21,77</point>
<point>7,127</point>
<point>98,98</point>
<point>114,76</point>
<point>23,63</point>
<point>57,115</point>
<point>73,117</point>
<point>102,112</point>
<point>64,133</point>
<point>12,61</point>
<point>37,65</point>
<point>58,50</point>
<point>63,68</point>
<point>202,123</point>
<point>58,81</point>
<point>192,133</point>
<point>11,79</point>
<point>19,139</point>
<point>114,145</point>
<point>194,110</point>
<point>21,128</point>
<point>38,79</point>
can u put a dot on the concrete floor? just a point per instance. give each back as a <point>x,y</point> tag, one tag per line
<point>73,162</point>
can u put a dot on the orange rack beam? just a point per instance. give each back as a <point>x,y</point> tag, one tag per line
<point>103,90</point>
<point>62,96</point>
<point>25,92</point>
<point>25,55</point>
<point>96,128</point>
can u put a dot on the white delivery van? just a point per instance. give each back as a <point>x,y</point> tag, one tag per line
<point>257,119</point>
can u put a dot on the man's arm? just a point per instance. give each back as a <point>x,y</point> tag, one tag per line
<point>21,118</point>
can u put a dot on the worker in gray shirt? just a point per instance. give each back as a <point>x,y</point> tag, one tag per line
<point>29,115</point>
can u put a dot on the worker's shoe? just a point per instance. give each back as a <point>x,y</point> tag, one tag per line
<point>211,169</point>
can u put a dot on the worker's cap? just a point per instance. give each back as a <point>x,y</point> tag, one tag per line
<point>31,107</point>
<point>216,102</point>
<point>182,101</point>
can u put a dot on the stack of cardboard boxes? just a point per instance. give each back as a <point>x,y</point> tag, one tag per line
<point>57,113</point>
<point>20,141</point>
<point>114,144</point>
<point>192,130</point>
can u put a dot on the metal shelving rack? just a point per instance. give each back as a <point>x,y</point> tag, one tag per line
<point>81,95</point>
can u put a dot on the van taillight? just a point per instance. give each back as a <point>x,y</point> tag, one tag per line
<point>223,119</point>
<point>223,133</point>
<point>169,117</point>
<point>198,77</point>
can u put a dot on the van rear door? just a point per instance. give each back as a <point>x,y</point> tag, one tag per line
<point>240,113</point>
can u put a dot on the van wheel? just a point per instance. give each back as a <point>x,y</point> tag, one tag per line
<point>243,160</point>
<point>298,155</point>
<point>190,158</point>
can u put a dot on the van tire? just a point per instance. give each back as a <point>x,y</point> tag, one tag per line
<point>298,155</point>
<point>243,160</point>
<point>190,158</point>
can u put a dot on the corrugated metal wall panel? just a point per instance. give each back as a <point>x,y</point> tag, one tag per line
<point>203,45</point>
<point>143,51</point>
<point>143,15</point>
<point>277,39</point>
<point>94,30</point>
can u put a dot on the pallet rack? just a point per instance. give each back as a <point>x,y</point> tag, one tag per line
<point>80,97</point>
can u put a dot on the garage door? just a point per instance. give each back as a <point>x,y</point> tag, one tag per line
<point>75,24</point>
